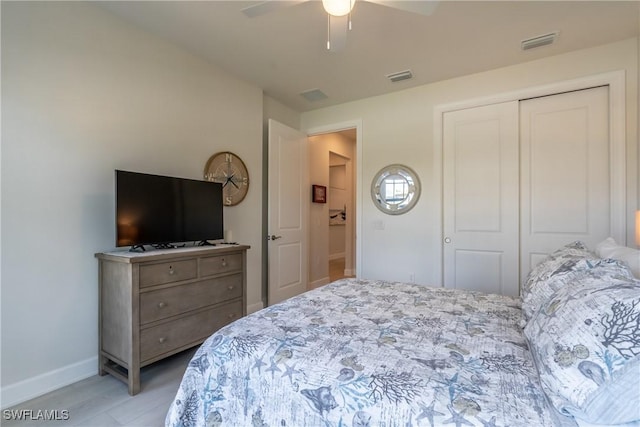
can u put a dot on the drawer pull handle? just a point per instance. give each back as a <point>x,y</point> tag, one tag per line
<point>224,263</point>
<point>230,288</point>
<point>162,340</point>
<point>171,271</point>
<point>162,305</point>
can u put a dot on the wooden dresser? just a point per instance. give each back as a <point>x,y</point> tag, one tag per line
<point>158,303</point>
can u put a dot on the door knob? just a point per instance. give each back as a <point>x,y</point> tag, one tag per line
<point>447,240</point>
<point>274,237</point>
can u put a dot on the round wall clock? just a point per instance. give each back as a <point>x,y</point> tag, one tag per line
<point>230,171</point>
<point>395,189</point>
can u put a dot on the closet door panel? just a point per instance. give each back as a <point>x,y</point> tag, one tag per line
<point>477,192</point>
<point>565,170</point>
<point>480,199</point>
<point>479,270</point>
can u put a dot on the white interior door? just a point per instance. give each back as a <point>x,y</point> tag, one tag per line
<point>565,172</point>
<point>288,193</point>
<point>480,199</point>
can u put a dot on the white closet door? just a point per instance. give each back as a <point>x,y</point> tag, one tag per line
<point>565,172</point>
<point>480,199</point>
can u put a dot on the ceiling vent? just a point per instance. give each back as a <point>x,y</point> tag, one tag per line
<point>402,75</point>
<point>538,41</point>
<point>313,95</point>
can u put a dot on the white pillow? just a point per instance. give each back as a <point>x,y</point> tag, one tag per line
<point>608,248</point>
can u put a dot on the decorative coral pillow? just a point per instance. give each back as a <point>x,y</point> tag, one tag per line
<point>564,260</point>
<point>586,343</point>
<point>571,273</point>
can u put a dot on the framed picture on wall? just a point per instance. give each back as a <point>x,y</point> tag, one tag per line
<point>319,193</point>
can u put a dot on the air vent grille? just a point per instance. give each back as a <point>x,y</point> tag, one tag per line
<point>313,95</point>
<point>539,41</point>
<point>402,75</point>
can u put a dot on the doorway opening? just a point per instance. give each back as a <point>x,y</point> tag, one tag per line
<point>332,249</point>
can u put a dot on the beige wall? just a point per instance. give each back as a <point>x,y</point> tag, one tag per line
<point>84,93</point>
<point>399,128</point>
<point>337,240</point>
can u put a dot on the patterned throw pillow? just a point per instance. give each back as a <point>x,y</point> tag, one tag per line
<point>572,273</point>
<point>563,260</point>
<point>586,343</point>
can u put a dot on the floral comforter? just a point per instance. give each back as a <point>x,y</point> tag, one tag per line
<point>367,353</point>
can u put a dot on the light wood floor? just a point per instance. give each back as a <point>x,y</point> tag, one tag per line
<point>336,269</point>
<point>103,401</point>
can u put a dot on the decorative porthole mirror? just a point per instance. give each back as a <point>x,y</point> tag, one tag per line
<point>395,189</point>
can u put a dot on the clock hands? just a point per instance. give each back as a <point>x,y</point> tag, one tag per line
<point>229,179</point>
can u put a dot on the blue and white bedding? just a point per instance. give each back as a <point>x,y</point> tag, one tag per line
<point>360,353</point>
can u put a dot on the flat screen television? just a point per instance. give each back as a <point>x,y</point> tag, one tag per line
<point>162,210</point>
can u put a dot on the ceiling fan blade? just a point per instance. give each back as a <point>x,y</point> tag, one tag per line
<point>338,27</point>
<point>423,7</point>
<point>264,7</point>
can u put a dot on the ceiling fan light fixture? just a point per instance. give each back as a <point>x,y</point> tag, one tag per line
<point>338,7</point>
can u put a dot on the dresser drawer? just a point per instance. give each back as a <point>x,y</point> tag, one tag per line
<point>168,272</point>
<point>187,330</point>
<point>163,303</point>
<point>220,264</point>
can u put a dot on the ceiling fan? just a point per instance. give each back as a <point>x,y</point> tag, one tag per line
<point>339,14</point>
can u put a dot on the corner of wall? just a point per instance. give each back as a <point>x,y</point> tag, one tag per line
<point>274,109</point>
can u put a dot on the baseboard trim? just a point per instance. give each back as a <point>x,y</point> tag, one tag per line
<point>255,307</point>
<point>350,272</point>
<point>28,389</point>
<point>336,256</point>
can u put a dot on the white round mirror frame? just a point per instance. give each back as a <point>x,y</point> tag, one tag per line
<point>413,190</point>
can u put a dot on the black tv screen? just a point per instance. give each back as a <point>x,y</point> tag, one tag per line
<point>161,210</point>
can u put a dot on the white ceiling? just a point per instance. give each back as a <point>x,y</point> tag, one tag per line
<point>284,52</point>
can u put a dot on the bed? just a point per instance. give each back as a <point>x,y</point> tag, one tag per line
<point>377,353</point>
